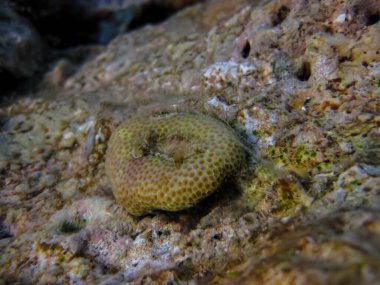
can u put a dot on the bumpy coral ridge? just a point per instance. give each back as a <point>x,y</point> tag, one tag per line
<point>170,163</point>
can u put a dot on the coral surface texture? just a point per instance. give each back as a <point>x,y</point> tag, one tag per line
<point>170,163</point>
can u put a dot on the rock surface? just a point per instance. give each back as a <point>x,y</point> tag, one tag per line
<point>299,83</point>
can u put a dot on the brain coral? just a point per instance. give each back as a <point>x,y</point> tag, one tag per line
<point>171,162</point>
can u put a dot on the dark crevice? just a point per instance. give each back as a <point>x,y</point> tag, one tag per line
<point>373,19</point>
<point>367,11</point>
<point>246,50</point>
<point>9,82</point>
<point>4,233</point>
<point>151,13</point>
<point>12,86</point>
<point>226,194</point>
<point>280,16</point>
<point>344,58</point>
<point>304,72</point>
<point>73,225</point>
<point>149,145</point>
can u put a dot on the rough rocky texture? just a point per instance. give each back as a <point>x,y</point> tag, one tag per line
<point>170,162</point>
<point>298,80</point>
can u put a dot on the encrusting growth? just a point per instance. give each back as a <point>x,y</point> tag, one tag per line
<point>171,162</point>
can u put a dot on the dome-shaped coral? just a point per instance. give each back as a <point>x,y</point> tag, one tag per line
<point>171,162</point>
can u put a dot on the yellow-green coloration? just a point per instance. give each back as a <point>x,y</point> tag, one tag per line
<point>274,191</point>
<point>299,160</point>
<point>171,162</point>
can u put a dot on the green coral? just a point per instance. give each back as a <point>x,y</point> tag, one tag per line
<point>170,162</point>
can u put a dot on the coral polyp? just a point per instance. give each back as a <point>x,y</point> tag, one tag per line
<point>171,162</point>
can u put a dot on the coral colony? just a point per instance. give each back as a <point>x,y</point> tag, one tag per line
<point>170,163</point>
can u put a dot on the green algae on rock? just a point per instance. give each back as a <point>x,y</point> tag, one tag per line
<point>171,162</point>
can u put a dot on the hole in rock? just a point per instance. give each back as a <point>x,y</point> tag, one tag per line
<point>373,19</point>
<point>73,225</point>
<point>280,16</point>
<point>246,50</point>
<point>304,72</point>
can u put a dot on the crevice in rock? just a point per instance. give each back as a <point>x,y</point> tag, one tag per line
<point>280,16</point>
<point>246,50</point>
<point>304,72</point>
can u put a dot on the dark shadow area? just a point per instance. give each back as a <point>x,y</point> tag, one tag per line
<point>189,219</point>
<point>12,87</point>
<point>4,233</point>
<point>373,19</point>
<point>60,23</point>
<point>367,11</point>
<point>64,24</point>
<point>280,16</point>
<point>8,83</point>
<point>304,72</point>
<point>49,30</point>
<point>151,14</point>
<point>246,50</point>
<point>73,225</point>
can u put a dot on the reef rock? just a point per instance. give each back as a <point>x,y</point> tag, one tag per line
<point>297,81</point>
